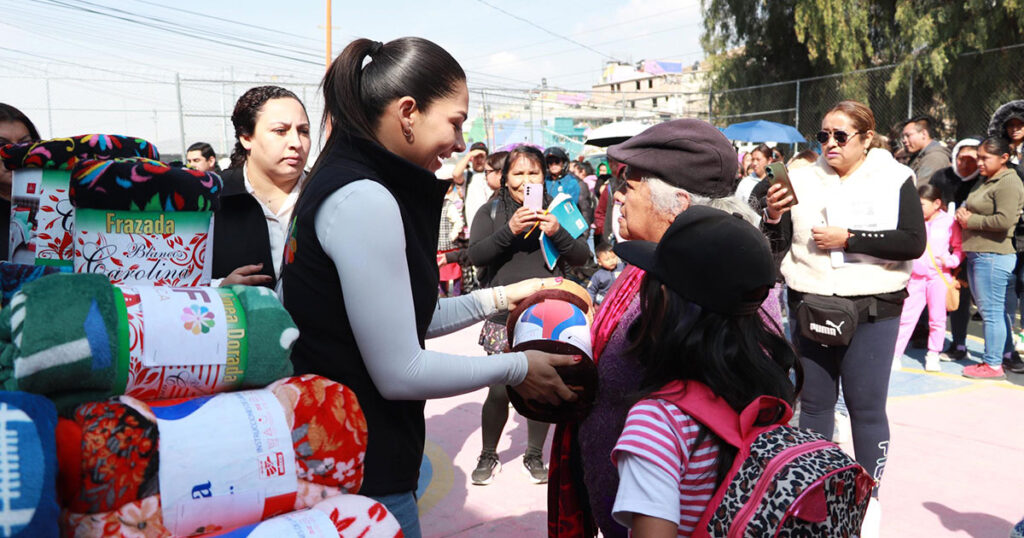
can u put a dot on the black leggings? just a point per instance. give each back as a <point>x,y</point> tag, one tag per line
<point>863,367</point>
<point>494,417</point>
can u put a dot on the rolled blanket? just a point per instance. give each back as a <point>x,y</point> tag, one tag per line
<point>143,185</point>
<point>64,153</point>
<point>110,452</point>
<point>15,275</point>
<point>77,338</point>
<point>344,516</point>
<point>28,466</point>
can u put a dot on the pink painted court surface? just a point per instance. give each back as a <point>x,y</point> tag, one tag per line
<point>956,459</point>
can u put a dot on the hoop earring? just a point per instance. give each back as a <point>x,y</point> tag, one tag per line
<point>408,135</point>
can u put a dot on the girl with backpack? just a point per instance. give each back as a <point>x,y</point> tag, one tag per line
<point>716,394</point>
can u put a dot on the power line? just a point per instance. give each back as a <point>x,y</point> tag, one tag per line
<point>630,38</point>
<point>45,21</point>
<point>539,27</point>
<point>176,31</point>
<point>227,20</point>
<point>617,24</point>
<point>175,25</point>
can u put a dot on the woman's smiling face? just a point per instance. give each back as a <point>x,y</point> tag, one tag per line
<point>522,171</point>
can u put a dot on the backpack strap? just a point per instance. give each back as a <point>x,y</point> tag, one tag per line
<point>737,429</point>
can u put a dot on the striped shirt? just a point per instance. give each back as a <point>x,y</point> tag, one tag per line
<point>656,447</point>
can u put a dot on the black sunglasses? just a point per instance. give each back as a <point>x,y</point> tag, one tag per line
<point>842,137</point>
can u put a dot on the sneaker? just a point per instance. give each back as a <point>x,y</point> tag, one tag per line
<point>1013,363</point>
<point>931,362</point>
<point>953,354</point>
<point>842,432</point>
<point>872,524</point>
<point>1019,342</point>
<point>535,467</point>
<point>487,465</point>
<point>984,371</point>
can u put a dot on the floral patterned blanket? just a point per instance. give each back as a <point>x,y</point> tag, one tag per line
<point>109,453</point>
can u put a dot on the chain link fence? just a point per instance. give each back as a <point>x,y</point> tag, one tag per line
<point>978,84</point>
<point>175,111</point>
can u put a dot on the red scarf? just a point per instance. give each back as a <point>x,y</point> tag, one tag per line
<point>568,507</point>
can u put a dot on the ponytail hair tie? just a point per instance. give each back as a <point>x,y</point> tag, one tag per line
<point>375,48</point>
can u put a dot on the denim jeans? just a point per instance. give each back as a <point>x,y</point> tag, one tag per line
<point>991,274</point>
<point>403,507</point>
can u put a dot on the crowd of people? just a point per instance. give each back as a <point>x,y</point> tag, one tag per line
<point>814,310</point>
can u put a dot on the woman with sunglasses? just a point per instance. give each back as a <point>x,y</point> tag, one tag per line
<point>850,240</point>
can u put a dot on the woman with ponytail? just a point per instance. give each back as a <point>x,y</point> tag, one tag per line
<point>360,276</point>
<point>261,186</point>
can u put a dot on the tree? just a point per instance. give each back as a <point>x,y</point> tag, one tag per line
<point>930,42</point>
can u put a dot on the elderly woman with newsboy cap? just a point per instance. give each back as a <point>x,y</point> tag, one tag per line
<point>671,167</point>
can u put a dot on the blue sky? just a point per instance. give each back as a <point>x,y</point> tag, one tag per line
<point>495,48</point>
<point>76,66</point>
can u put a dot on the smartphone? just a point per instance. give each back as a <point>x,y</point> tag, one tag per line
<point>777,174</point>
<point>533,196</point>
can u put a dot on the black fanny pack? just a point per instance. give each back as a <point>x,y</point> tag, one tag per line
<point>830,321</point>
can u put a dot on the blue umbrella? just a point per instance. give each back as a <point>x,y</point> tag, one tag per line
<point>763,131</point>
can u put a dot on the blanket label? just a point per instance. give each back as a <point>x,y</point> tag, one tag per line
<point>304,524</point>
<point>184,342</point>
<point>145,247</point>
<point>42,218</point>
<point>225,461</point>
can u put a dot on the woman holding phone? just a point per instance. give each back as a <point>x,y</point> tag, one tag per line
<point>502,242</point>
<point>363,318</point>
<point>848,244</point>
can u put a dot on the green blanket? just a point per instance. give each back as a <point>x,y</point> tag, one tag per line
<point>77,338</point>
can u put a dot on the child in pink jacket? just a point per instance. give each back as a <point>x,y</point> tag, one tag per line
<point>927,285</point>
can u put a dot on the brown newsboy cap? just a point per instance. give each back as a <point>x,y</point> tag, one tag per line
<point>689,154</point>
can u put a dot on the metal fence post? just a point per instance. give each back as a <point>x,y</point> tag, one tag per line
<point>711,106</point>
<point>226,147</point>
<point>181,114</point>
<point>796,119</point>
<point>910,98</point>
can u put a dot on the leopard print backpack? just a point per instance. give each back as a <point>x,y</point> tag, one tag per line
<point>785,482</point>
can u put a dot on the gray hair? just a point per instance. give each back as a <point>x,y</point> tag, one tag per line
<point>665,199</point>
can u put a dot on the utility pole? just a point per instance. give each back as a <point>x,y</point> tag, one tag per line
<point>327,32</point>
<point>543,86</point>
<point>181,114</point>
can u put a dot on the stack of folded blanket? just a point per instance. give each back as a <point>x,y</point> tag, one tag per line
<point>109,455</point>
<point>28,466</point>
<point>77,338</point>
<point>64,153</point>
<point>143,185</point>
<point>41,212</point>
<point>140,221</point>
